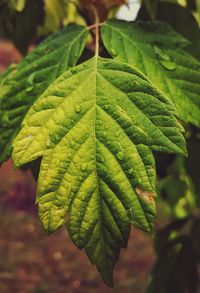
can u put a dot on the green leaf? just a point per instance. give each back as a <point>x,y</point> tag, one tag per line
<point>167,233</point>
<point>95,129</point>
<point>21,27</point>
<point>176,268</point>
<point>33,75</point>
<point>54,16</point>
<point>17,5</point>
<point>182,20</point>
<point>151,7</point>
<point>177,190</point>
<point>155,49</point>
<point>193,160</point>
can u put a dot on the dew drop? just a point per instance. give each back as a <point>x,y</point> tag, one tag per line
<point>57,163</point>
<point>117,134</point>
<point>48,50</point>
<point>10,72</point>
<point>134,135</point>
<point>83,166</point>
<point>106,106</point>
<point>31,78</point>
<point>30,83</point>
<point>57,120</point>
<point>57,138</point>
<point>113,52</point>
<point>74,70</point>
<point>164,59</point>
<point>29,89</point>
<point>102,160</point>
<point>104,134</point>
<point>169,65</point>
<point>130,171</point>
<point>120,156</point>
<point>130,212</point>
<point>77,108</point>
<point>83,135</point>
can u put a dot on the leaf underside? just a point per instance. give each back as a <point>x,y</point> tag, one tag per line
<point>95,128</point>
<point>157,50</point>
<point>26,82</point>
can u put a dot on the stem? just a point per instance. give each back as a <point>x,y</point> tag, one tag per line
<point>96,27</point>
<point>97,42</point>
<point>90,27</point>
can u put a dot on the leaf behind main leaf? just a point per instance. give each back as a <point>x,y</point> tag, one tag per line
<point>155,49</point>
<point>95,128</point>
<point>33,75</point>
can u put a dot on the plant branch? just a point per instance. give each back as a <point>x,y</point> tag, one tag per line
<point>96,27</point>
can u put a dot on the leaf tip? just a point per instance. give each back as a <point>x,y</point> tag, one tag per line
<point>107,277</point>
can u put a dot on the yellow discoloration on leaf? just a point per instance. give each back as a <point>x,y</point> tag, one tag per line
<point>149,196</point>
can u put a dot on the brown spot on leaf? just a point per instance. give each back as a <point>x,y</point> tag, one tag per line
<point>146,195</point>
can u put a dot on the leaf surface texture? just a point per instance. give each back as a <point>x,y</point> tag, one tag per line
<point>95,128</point>
<point>32,76</point>
<point>157,50</point>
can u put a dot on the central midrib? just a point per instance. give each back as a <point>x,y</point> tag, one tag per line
<point>95,161</point>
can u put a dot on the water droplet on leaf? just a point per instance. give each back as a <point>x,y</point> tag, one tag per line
<point>102,160</point>
<point>31,78</point>
<point>130,171</point>
<point>120,156</point>
<point>83,166</point>
<point>113,52</point>
<point>77,108</point>
<point>29,89</point>
<point>30,82</point>
<point>169,65</point>
<point>134,135</point>
<point>104,134</point>
<point>74,70</point>
<point>57,138</point>
<point>164,59</point>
